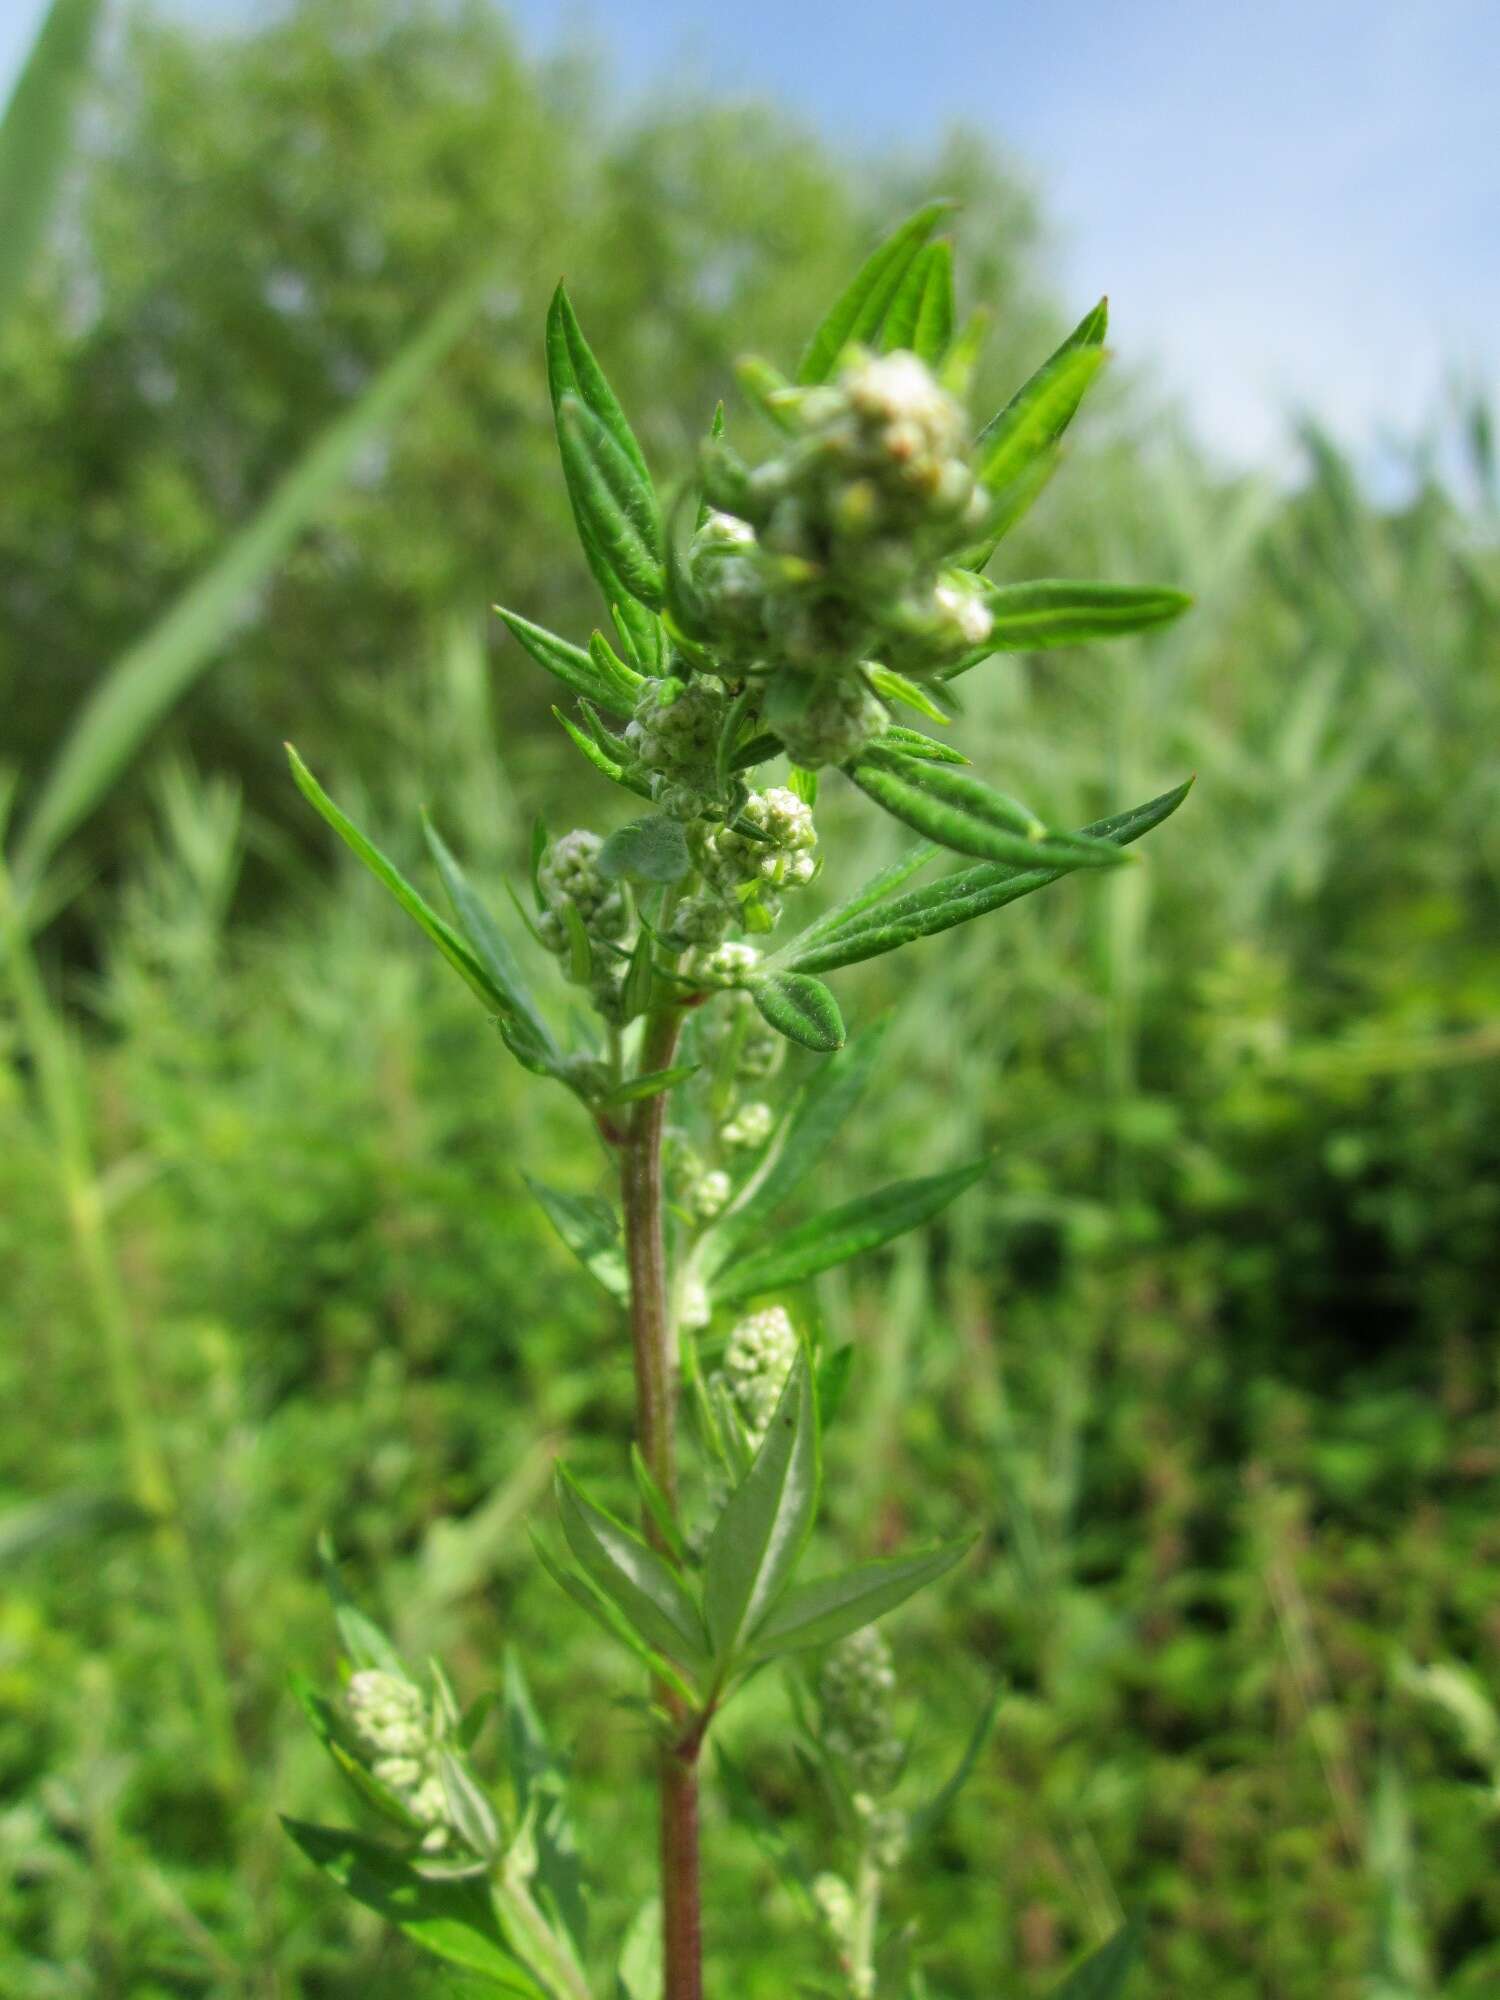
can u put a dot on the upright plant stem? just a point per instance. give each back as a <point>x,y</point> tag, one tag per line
<point>151,1487</point>
<point>653,1337</point>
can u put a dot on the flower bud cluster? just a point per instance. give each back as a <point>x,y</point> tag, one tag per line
<point>836,552</point>
<point>758,1359</point>
<point>393,1724</point>
<point>748,1127</point>
<point>726,965</point>
<point>674,738</point>
<point>855,1690</point>
<point>569,875</point>
<point>746,874</point>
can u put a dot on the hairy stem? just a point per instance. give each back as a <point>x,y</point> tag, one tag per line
<point>653,1338</point>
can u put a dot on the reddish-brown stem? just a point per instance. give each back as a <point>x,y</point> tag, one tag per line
<point>652,1339</point>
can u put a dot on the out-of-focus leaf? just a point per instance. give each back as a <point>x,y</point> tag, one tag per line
<point>651,1085</point>
<point>1103,1974</point>
<point>638,1971</point>
<point>337,1739</point>
<point>921,314</point>
<point>658,1508</point>
<point>926,1819</point>
<point>459,955</point>
<point>80,1514</point>
<point>455,1921</point>
<point>959,898</point>
<point>966,815</point>
<point>800,1008</point>
<point>35,136</point>
<point>861,310</point>
<point>530,1039</point>
<point>767,1829</point>
<point>146,681</point>
<point>653,849</point>
<point>539,1780</point>
<point>841,1233</point>
<point>634,1576</point>
<point>573,666</point>
<point>363,1640</point>
<point>763,1528</point>
<point>815,1614</point>
<point>821,1107</point>
<point>591,1230</point>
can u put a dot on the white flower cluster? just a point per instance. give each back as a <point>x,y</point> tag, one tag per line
<point>748,1126</point>
<point>391,1719</point>
<point>834,554</point>
<point>674,737</point>
<point>569,874</point>
<point>758,1359</point>
<point>708,1189</point>
<point>855,1690</point>
<point>745,874</point>
<point>726,965</point>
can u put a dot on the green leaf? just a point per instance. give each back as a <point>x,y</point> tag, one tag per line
<point>761,1533</point>
<point>1045,404</point>
<point>861,310</point>
<point>539,1780</point>
<point>144,683</point>
<point>653,849</point>
<point>658,1507</point>
<point>1051,612</point>
<point>573,373</point>
<point>638,1972</point>
<point>880,885</point>
<point>632,1575</point>
<point>815,1614</point>
<point>914,744</point>
<point>800,1008</point>
<point>926,1819</point>
<point>603,1610</point>
<point>824,1102</point>
<point>455,1921</point>
<point>591,1230</point>
<point>363,1640</point>
<point>921,314</point>
<point>529,1038</point>
<point>841,1233</point>
<point>956,372</point>
<point>447,940</point>
<point>652,1084</point>
<point>959,898</point>
<point>891,686</point>
<point>574,667</point>
<point>1103,1974</point>
<point>602,761</point>
<point>35,137</point>
<point>618,521</point>
<point>470,1813</point>
<point>967,816</point>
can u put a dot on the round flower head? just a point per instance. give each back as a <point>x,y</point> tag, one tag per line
<point>749,1127</point>
<point>827,722</point>
<point>855,1690</point>
<point>708,1193</point>
<point>728,964</point>
<point>758,1358</point>
<point>674,736</point>
<point>569,874</point>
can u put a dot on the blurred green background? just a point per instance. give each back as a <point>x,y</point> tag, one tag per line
<point>1209,1359</point>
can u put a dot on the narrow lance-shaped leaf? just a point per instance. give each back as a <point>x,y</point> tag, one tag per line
<point>883,883</point>
<point>815,1614</point>
<point>573,372</point>
<point>926,1819</point>
<point>800,1008</point>
<point>1047,402</point>
<point>959,898</point>
<point>145,682</point>
<point>967,816</point>
<point>608,766</point>
<point>1104,1973</point>
<point>632,1575</point>
<point>1029,617</point>
<point>531,1038</point>
<point>860,311</point>
<point>827,1098</point>
<point>455,1921</point>
<point>35,136</point>
<point>447,940</point>
<point>841,1233</point>
<point>921,314</point>
<point>617,517</point>
<point>763,1529</point>
<point>606,1613</point>
<point>588,1226</point>
<point>573,666</point>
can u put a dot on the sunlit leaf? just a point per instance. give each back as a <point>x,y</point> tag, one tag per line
<point>761,1532</point>
<point>861,310</point>
<point>815,1614</point>
<point>591,1230</point>
<point>634,1576</point>
<point>841,1233</point>
<point>35,135</point>
<point>921,314</point>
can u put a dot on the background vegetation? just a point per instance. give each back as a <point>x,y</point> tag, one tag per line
<point>1211,1353</point>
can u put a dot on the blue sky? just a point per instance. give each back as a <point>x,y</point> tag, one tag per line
<point>1290,205</point>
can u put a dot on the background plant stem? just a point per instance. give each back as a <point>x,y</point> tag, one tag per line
<point>654,1341</point>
